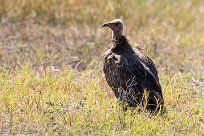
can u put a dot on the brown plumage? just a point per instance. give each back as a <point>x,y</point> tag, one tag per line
<point>130,73</point>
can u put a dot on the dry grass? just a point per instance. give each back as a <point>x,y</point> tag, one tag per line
<point>36,35</point>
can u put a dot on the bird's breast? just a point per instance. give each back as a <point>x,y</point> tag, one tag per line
<point>112,59</point>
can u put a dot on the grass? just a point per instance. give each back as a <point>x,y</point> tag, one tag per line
<point>51,79</point>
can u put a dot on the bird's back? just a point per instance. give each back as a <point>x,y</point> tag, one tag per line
<point>147,61</point>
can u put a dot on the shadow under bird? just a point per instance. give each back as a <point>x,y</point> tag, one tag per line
<point>130,73</point>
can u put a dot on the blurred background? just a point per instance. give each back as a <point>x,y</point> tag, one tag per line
<point>68,32</point>
<point>51,79</point>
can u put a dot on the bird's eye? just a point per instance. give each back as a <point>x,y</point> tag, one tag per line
<point>116,24</point>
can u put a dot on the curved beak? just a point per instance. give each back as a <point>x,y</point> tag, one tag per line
<point>105,25</point>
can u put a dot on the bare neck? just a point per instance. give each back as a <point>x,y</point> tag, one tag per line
<point>116,35</point>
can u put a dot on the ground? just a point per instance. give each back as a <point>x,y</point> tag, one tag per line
<point>51,79</point>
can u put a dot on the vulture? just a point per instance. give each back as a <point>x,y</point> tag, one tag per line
<point>130,73</point>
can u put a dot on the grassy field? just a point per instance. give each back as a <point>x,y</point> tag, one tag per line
<point>51,79</point>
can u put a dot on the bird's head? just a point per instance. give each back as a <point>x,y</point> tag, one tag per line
<point>117,27</point>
